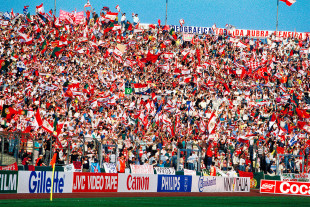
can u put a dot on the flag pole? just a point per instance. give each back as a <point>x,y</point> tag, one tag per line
<point>166,12</point>
<point>52,187</point>
<point>55,8</point>
<point>277,15</point>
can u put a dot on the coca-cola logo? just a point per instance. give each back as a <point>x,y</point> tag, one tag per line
<point>267,186</point>
<point>294,188</point>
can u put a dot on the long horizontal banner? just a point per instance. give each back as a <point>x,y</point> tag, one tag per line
<point>285,187</point>
<point>68,182</point>
<point>239,32</point>
<point>295,177</point>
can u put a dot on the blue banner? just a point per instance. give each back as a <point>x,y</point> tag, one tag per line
<point>95,167</point>
<point>174,183</point>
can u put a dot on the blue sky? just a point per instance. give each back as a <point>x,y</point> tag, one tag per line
<point>243,14</point>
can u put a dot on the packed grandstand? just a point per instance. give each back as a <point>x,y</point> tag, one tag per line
<point>72,82</point>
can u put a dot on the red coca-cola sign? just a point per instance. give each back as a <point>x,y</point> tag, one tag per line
<point>285,187</point>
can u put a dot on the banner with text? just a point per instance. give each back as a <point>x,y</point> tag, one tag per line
<point>142,169</point>
<point>9,181</point>
<point>165,170</point>
<point>239,32</point>
<point>12,167</point>
<point>220,184</point>
<point>174,183</point>
<point>285,187</point>
<point>41,182</point>
<point>295,177</point>
<point>95,182</point>
<point>137,183</point>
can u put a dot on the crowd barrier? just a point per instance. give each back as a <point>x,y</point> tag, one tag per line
<point>70,182</point>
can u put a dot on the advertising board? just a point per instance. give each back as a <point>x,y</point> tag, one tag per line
<point>95,182</point>
<point>137,183</point>
<point>8,181</point>
<point>41,182</point>
<point>285,187</point>
<point>174,183</point>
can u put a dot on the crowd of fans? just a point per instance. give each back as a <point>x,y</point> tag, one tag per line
<point>149,92</point>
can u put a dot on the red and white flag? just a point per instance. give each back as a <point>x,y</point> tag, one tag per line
<point>111,15</point>
<point>38,118</point>
<point>241,44</point>
<point>40,9</point>
<point>182,22</point>
<point>289,2</point>
<point>212,123</point>
<point>118,8</point>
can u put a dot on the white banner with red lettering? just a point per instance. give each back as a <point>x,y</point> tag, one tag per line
<point>142,169</point>
<point>137,183</point>
<point>75,17</point>
<point>189,172</point>
<point>284,187</point>
<point>237,32</point>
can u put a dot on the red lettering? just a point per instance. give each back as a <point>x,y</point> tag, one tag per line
<point>237,32</point>
<point>280,34</point>
<point>266,34</point>
<point>262,33</point>
<point>257,33</point>
<point>284,34</point>
<point>241,32</point>
<point>248,33</point>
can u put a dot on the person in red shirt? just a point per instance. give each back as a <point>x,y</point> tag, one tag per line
<point>213,170</point>
<point>121,165</point>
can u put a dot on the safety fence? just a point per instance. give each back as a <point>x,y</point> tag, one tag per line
<point>70,182</point>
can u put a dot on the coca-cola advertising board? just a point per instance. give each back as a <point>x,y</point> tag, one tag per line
<point>285,187</point>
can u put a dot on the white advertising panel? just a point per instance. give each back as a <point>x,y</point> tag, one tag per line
<point>41,182</point>
<point>137,183</point>
<point>220,184</point>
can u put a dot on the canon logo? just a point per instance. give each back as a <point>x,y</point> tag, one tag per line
<point>302,189</point>
<point>267,186</point>
<point>138,183</point>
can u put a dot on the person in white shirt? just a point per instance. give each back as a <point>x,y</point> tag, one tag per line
<point>123,20</point>
<point>135,19</point>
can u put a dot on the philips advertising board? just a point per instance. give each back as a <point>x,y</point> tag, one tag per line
<point>41,182</point>
<point>174,183</point>
<point>137,183</point>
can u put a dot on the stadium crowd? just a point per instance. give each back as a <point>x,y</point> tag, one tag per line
<point>240,100</point>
